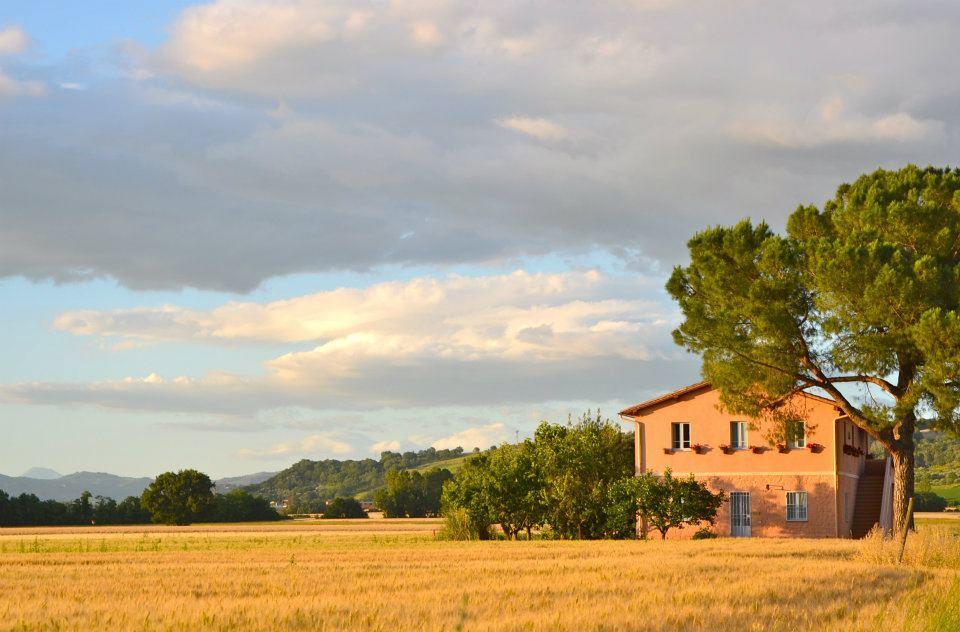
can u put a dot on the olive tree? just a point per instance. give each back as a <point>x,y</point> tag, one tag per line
<point>858,301</point>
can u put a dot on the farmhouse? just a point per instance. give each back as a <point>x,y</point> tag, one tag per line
<point>818,483</point>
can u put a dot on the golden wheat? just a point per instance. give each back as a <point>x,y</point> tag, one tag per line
<point>382,575</point>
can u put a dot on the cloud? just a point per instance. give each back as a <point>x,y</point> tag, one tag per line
<point>13,88</point>
<point>533,317</point>
<point>458,340</point>
<point>829,124</point>
<point>13,40</point>
<point>314,446</point>
<point>480,437</point>
<point>385,446</point>
<point>539,128</point>
<point>268,138</point>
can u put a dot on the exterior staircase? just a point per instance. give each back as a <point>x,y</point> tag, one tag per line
<point>866,510</point>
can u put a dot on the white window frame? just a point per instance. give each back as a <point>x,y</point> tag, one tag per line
<point>798,510</point>
<point>677,439</point>
<point>792,439</point>
<point>743,443</point>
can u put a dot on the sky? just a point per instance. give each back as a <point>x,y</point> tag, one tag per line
<point>244,232</point>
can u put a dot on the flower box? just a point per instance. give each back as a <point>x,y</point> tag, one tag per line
<point>727,449</point>
<point>668,450</point>
<point>757,449</point>
<point>816,448</point>
<point>852,450</point>
<point>699,448</point>
<point>782,448</point>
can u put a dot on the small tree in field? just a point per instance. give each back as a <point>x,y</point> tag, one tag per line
<point>859,301</point>
<point>179,497</point>
<point>343,507</point>
<point>668,503</point>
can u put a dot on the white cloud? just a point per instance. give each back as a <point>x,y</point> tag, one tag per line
<point>452,341</point>
<point>832,123</point>
<point>519,316</point>
<point>385,446</point>
<point>13,39</point>
<point>480,437</point>
<point>539,128</point>
<point>316,446</point>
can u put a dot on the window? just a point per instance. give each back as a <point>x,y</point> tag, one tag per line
<point>681,436</point>
<point>738,435</point>
<point>796,506</point>
<point>796,435</point>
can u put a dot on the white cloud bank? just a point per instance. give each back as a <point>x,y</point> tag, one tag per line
<point>424,342</point>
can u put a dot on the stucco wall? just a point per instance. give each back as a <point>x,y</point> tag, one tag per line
<point>768,500</point>
<point>825,476</point>
<point>711,427</point>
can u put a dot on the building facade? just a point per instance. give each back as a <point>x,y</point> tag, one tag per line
<point>816,484</point>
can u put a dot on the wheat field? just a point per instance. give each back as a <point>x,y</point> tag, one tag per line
<point>395,575</point>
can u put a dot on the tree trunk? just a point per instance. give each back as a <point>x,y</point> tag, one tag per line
<point>903,459</point>
<point>528,533</point>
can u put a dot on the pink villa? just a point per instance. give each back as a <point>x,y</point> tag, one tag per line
<point>818,485</point>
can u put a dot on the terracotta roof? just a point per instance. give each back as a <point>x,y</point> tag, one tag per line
<point>638,409</point>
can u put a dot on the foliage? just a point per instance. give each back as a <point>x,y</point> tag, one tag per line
<point>28,510</point>
<point>562,477</point>
<point>865,292</point>
<point>344,507</point>
<point>704,533</point>
<point>469,496</point>
<point>411,494</point>
<point>665,502</point>
<point>458,525</point>
<point>579,463</point>
<point>179,497</point>
<point>928,501</point>
<point>241,506</point>
<point>308,485</point>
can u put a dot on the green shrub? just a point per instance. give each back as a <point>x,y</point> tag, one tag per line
<point>458,526</point>
<point>704,533</point>
<point>928,501</point>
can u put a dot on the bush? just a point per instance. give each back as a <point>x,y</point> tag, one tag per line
<point>342,507</point>
<point>928,501</point>
<point>457,525</point>
<point>704,533</point>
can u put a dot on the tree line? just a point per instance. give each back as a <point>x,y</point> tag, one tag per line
<point>173,498</point>
<point>573,481</point>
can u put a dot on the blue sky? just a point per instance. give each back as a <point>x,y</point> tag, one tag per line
<point>241,233</point>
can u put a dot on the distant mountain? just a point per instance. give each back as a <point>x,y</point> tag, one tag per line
<point>43,473</point>
<point>231,483</point>
<point>71,486</point>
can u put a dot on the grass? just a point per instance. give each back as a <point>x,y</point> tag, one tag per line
<point>951,493</point>
<point>389,575</point>
<point>453,464</point>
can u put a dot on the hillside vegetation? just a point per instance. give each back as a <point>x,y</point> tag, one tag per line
<point>307,485</point>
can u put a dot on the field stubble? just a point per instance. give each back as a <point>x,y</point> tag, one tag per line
<point>383,576</point>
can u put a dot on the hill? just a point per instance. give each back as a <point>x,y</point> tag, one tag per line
<point>938,464</point>
<point>230,483</point>
<point>44,473</point>
<point>70,487</point>
<point>307,484</point>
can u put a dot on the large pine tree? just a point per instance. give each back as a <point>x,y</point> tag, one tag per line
<point>859,301</point>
